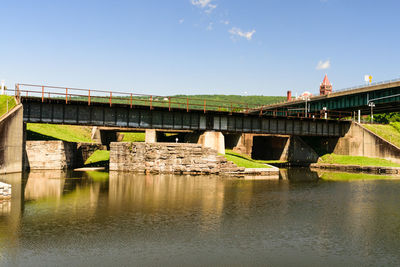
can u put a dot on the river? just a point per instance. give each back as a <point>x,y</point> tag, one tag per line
<point>102,219</point>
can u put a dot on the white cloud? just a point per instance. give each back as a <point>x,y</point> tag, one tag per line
<point>181,21</point>
<point>226,22</point>
<point>210,26</point>
<point>204,4</point>
<point>323,65</point>
<point>238,32</point>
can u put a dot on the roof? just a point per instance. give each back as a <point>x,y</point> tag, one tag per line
<point>326,80</point>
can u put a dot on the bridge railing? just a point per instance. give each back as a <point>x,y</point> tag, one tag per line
<point>300,113</point>
<point>367,85</point>
<point>90,96</point>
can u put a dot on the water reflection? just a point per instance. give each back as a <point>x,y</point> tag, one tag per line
<point>99,218</point>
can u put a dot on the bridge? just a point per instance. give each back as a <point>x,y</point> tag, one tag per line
<point>63,105</point>
<point>377,97</point>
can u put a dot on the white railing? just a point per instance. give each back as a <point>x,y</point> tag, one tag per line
<point>368,85</point>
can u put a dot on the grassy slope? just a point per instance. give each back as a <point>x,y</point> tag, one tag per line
<point>41,131</point>
<point>389,132</point>
<point>3,103</point>
<point>134,137</point>
<point>356,160</point>
<point>98,156</point>
<point>243,160</point>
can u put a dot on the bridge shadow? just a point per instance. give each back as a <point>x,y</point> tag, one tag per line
<point>34,136</point>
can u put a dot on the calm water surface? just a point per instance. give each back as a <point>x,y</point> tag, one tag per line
<point>86,219</point>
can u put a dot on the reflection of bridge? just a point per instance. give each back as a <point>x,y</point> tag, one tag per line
<point>60,105</point>
<point>383,96</point>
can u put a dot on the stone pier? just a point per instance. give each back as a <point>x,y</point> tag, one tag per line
<point>179,158</point>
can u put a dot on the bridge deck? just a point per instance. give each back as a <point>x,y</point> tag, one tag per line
<point>58,111</point>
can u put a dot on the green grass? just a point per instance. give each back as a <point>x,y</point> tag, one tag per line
<point>98,156</point>
<point>389,132</point>
<point>3,103</point>
<point>356,160</point>
<point>133,137</point>
<point>342,176</point>
<point>243,160</point>
<point>41,131</point>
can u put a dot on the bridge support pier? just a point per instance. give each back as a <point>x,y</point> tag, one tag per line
<point>151,136</point>
<point>215,140</point>
<point>12,141</point>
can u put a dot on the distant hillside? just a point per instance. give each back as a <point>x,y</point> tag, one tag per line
<point>250,99</point>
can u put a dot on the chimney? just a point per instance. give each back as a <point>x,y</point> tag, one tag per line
<point>289,96</point>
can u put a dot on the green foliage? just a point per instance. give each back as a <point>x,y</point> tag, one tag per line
<point>4,99</point>
<point>356,160</point>
<point>386,117</point>
<point>69,133</point>
<point>389,132</point>
<point>243,160</point>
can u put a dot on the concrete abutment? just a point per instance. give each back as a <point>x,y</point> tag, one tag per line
<point>12,141</point>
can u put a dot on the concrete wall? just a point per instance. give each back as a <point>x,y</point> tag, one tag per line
<point>276,147</point>
<point>359,141</point>
<point>214,140</point>
<point>11,141</point>
<point>168,158</point>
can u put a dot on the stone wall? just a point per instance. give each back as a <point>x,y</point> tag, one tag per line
<point>5,191</point>
<point>180,158</point>
<point>58,155</point>
<point>11,141</point>
<point>50,155</point>
<point>85,150</point>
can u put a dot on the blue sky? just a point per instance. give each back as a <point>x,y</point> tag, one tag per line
<point>199,46</point>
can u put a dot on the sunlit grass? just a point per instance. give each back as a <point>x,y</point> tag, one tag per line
<point>4,99</point>
<point>133,137</point>
<point>98,156</point>
<point>389,132</point>
<point>356,160</point>
<point>69,133</point>
<point>243,160</point>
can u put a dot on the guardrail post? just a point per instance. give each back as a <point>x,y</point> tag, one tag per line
<point>89,98</point>
<point>187,104</point>
<point>131,100</point>
<point>151,102</point>
<point>42,94</point>
<point>110,99</point>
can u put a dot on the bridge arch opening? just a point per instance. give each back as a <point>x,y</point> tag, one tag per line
<point>270,147</point>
